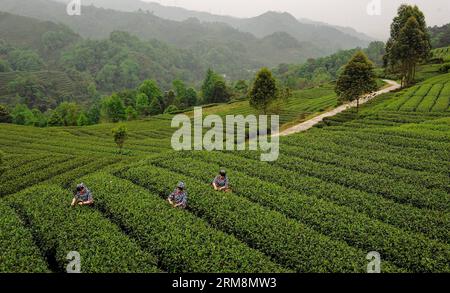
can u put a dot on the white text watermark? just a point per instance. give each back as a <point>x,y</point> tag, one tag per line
<point>236,133</point>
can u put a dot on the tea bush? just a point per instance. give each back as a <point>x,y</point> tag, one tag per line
<point>182,242</point>
<point>60,229</point>
<point>356,229</point>
<point>19,252</point>
<point>291,243</point>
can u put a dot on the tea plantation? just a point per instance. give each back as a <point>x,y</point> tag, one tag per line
<point>377,180</point>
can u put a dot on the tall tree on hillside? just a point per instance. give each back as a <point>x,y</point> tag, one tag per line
<point>151,89</point>
<point>375,52</point>
<point>190,98</point>
<point>356,79</point>
<point>180,89</point>
<point>113,108</point>
<point>264,91</point>
<point>208,84</point>
<point>82,120</point>
<point>214,89</point>
<point>220,92</point>
<point>142,104</point>
<point>55,119</point>
<point>410,48</point>
<point>409,42</point>
<point>154,94</point>
<point>69,113</point>
<point>169,98</point>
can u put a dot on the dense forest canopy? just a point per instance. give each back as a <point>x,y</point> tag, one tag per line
<point>440,36</point>
<point>325,69</point>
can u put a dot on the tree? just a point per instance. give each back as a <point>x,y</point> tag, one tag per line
<point>128,74</point>
<point>410,48</point>
<point>40,120</point>
<point>120,135</point>
<point>82,120</point>
<point>375,52</point>
<point>113,108</point>
<point>131,113</point>
<point>25,60</point>
<point>180,89</point>
<point>94,114</point>
<point>208,85</point>
<point>356,79</point>
<point>241,87</point>
<point>169,98</point>
<point>55,119</point>
<point>155,107</point>
<point>220,92</point>
<point>128,96</point>
<point>409,43</point>
<point>107,77</point>
<point>92,91</point>
<point>264,91</point>
<point>191,98</point>
<point>30,89</point>
<point>142,104</point>
<point>69,113</point>
<point>151,89</point>
<point>5,116</point>
<point>22,115</point>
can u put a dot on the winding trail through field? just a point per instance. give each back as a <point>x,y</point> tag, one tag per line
<point>310,123</point>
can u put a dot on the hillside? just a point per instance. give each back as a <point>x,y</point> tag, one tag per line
<point>27,32</point>
<point>303,105</point>
<point>380,178</point>
<point>222,39</point>
<point>440,36</point>
<point>305,30</point>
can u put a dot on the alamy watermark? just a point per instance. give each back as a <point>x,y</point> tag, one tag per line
<point>230,135</point>
<point>374,266</point>
<point>74,8</point>
<point>74,265</point>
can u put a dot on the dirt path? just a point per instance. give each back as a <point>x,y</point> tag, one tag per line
<point>310,123</point>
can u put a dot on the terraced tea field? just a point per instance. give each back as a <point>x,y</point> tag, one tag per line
<point>373,181</point>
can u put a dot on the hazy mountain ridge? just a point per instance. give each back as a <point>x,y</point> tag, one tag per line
<point>319,34</point>
<point>99,23</point>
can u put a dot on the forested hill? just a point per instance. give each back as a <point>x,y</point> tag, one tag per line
<point>304,30</point>
<point>217,42</point>
<point>48,63</point>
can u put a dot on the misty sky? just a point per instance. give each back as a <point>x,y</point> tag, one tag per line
<point>340,12</point>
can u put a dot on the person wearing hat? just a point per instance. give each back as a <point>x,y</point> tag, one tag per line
<point>178,198</point>
<point>221,182</point>
<point>83,196</point>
